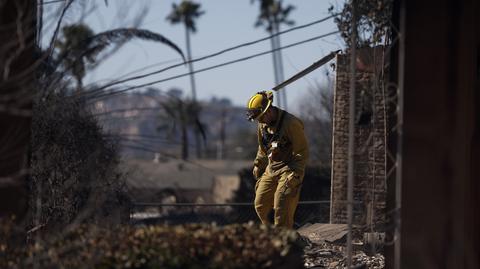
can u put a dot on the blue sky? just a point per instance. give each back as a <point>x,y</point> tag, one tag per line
<point>226,23</point>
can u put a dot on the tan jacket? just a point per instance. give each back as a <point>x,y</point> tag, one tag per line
<point>291,144</point>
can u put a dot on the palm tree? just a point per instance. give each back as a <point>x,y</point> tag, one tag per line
<point>187,12</point>
<point>181,113</point>
<point>272,15</point>
<point>69,45</point>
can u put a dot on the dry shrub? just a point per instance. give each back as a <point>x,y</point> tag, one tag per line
<point>74,175</point>
<point>187,247</point>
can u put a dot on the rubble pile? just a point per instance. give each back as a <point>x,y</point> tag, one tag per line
<point>326,247</point>
<point>333,256</point>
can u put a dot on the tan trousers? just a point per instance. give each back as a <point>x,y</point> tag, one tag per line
<point>278,190</point>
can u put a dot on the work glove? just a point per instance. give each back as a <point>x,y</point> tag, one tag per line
<point>256,172</point>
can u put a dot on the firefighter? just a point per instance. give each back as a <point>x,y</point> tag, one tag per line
<point>279,165</point>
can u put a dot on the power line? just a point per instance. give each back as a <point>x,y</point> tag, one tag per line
<point>50,2</point>
<point>152,204</point>
<point>216,53</point>
<point>209,68</point>
<point>140,137</point>
<point>150,141</point>
<point>167,155</point>
<point>137,109</point>
<point>146,138</point>
<point>152,65</point>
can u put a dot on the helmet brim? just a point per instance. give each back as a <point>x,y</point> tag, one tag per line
<point>269,103</point>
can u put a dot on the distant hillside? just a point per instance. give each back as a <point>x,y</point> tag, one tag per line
<point>143,127</point>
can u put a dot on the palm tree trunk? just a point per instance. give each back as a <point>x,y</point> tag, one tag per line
<point>79,83</point>
<point>221,150</point>
<point>184,141</point>
<point>190,64</point>
<point>194,92</point>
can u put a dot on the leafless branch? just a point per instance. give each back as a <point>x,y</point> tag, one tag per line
<point>57,28</point>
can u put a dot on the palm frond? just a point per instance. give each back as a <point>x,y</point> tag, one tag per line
<point>102,40</point>
<point>89,47</point>
<point>175,16</point>
<point>186,12</point>
<point>273,12</point>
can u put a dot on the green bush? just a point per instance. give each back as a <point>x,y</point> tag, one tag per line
<point>188,247</point>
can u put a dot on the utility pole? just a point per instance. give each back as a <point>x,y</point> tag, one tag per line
<point>275,66</point>
<point>279,66</point>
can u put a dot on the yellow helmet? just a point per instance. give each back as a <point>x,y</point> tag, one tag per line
<point>259,104</point>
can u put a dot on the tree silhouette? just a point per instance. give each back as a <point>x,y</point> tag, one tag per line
<point>272,14</point>
<point>180,115</point>
<point>186,13</point>
<point>74,57</point>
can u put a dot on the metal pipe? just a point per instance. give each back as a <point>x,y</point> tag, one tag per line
<point>275,67</point>
<point>281,74</point>
<point>351,133</point>
<point>307,70</point>
<point>142,204</point>
<point>398,175</point>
